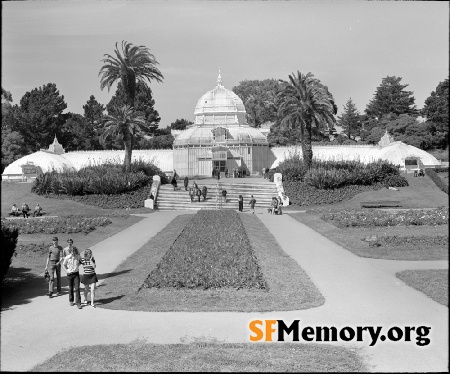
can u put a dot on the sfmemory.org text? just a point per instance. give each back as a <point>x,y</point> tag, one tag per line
<point>263,330</point>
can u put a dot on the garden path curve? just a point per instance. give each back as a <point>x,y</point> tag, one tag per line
<point>358,292</point>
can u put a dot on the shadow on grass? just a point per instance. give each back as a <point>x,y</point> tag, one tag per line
<point>104,301</point>
<point>20,286</point>
<point>113,274</point>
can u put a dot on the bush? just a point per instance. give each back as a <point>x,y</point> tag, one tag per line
<point>109,179</point>
<point>9,242</point>
<point>438,181</point>
<point>395,181</point>
<point>441,170</point>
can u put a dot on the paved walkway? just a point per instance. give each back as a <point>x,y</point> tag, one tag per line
<point>358,292</point>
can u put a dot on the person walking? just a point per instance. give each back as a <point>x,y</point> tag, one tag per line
<point>53,265</point>
<point>226,172</point>
<point>204,192</point>
<point>224,195</point>
<point>173,182</point>
<point>186,183</point>
<point>191,194</point>
<point>199,194</point>
<point>25,210</point>
<point>218,174</point>
<point>280,204</point>
<point>252,203</point>
<point>66,250</point>
<point>89,277</point>
<point>71,264</point>
<point>241,203</point>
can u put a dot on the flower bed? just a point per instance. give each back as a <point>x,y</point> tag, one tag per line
<point>395,240</point>
<point>350,218</point>
<point>56,225</point>
<point>213,251</point>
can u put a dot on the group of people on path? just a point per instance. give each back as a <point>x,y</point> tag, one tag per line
<point>71,260</point>
<point>25,211</point>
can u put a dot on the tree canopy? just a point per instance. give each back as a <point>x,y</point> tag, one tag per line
<point>259,99</point>
<point>305,103</point>
<point>391,97</point>
<point>39,117</point>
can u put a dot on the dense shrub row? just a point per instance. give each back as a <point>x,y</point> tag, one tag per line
<point>56,225</point>
<point>437,180</point>
<point>395,240</point>
<point>8,241</point>
<point>108,178</point>
<point>304,195</point>
<point>349,218</point>
<point>206,255</point>
<point>395,181</point>
<point>441,170</point>
<point>334,174</point>
<point>129,200</point>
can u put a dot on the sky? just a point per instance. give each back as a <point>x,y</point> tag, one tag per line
<point>350,46</point>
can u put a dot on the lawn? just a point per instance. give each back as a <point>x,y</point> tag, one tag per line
<point>206,357</point>
<point>289,288</point>
<point>351,238</point>
<point>433,283</point>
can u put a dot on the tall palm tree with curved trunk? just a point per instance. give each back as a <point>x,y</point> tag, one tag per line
<point>126,122</point>
<point>305,103</point>
<point>131,65</point>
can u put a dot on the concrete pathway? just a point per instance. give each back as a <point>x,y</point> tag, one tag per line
<point>358,292</point>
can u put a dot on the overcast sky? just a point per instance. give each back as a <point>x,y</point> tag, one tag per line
<point>350,46</point>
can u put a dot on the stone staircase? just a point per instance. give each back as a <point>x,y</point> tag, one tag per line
<point>168,199</point>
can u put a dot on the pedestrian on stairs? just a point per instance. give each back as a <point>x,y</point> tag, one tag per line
<point>252,203</point>
<point>241,203</point>
<point>186,183</point>
<point>199,194</point>
<point>204,192</point>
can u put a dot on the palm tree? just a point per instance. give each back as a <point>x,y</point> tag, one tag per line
<point>304,102</point>
<point>126,122</point>
<point>134,64</point>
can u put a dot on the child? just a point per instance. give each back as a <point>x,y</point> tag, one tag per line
<point>89,277</point>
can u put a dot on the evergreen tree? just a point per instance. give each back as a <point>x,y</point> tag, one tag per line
<point>180,124</point>
<point>391,97</point>
<point>349,120</point>
<point>39,117</point>
<point>436,111</point>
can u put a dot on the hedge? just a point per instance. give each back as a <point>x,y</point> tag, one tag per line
<point>437,180</point>
<point>9,242</point>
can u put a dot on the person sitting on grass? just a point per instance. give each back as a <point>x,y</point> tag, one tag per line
<point>14,211</point>
<point>37,210</point>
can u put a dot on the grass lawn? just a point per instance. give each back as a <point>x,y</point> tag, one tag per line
<point>350,238</point>
<point>27,268</point>
<point>289,286</point>
<point>433,283</point>
<point>207,357</point>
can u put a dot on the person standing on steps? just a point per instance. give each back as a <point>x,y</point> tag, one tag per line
<point>241,203</point>
<point>252,203</point>
<point>186,183</point>
<point>53,265</point>
<point>204,192</point>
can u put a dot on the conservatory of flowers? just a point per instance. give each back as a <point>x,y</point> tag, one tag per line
<point>219,138</point>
